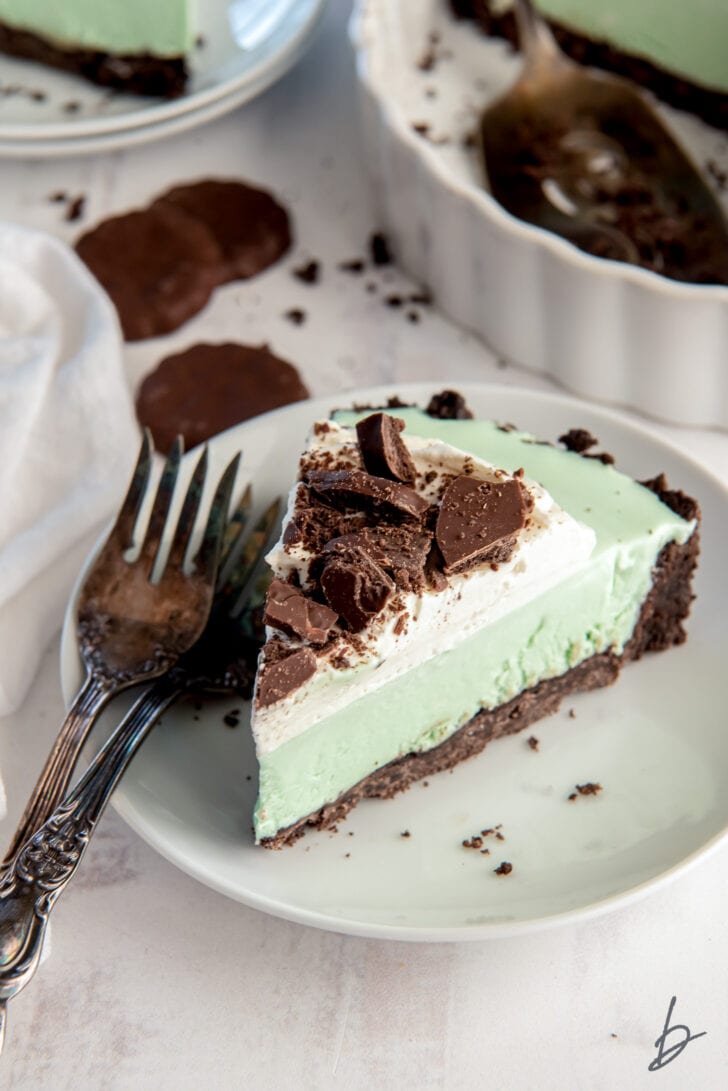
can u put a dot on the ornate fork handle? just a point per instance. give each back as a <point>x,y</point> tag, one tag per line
<point>47,863</point>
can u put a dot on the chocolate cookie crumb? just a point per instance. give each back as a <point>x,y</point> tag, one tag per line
<point>296,315</point>
<point>75,209</point>
<point>309,273</point>
<point>533,742</point>
<point>232,719</point>
<point>591,788</point>
<point>572,714</point>
<point>504,868</point>
<point>355,265</point>
<point>379,249</point>
<point>405,833</point>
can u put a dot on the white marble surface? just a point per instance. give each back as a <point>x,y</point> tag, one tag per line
<point>157,982</point>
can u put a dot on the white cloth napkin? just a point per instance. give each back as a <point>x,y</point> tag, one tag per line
<point>68,439</point>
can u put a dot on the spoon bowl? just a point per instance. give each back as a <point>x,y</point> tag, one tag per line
<point>583,154</point>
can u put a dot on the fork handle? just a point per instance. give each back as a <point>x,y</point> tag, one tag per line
<point>53,782</point>
<point>48,861</point>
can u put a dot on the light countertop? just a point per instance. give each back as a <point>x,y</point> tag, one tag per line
<point>155,981</point>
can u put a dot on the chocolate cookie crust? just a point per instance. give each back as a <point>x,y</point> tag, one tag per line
<point>133,73</point>
<point>659,626</point>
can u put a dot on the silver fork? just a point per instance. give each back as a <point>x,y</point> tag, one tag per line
<point>130,629</point>
<point>47,863</point>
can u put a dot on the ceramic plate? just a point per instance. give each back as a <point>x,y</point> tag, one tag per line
<point>222,72</point>
<point>656,742</point>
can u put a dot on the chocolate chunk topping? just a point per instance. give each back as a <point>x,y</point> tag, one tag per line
<point>448,405</point>
<point>289,610</point>
<point>478,521</point>
<point>356,489</point>
<point>276,680</point>
<point>355,586</point>
<point>401,551</point>
<point>209,388</point>
<point>383,450</point>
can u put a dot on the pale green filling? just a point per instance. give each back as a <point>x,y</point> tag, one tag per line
<point>690,39</point>
<point>591,611</point>
<point>160,27</point>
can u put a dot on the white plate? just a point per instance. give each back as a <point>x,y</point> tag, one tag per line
<point>221,71</point>
<point>656,742</point>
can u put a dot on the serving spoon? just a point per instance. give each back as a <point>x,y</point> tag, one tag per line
<point>583,153</point>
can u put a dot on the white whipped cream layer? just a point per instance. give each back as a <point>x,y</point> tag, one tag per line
<point>550,548</point>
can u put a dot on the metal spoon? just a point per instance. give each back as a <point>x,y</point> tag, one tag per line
<point>582,153</point>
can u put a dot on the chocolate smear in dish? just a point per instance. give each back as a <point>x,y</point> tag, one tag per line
<point>383,450</point>
<point>356,489</point>
<point>251,228</point>
<point>289,610</point>
<point>478,521</point>
<point>159,266</point>
<point>208,388</point>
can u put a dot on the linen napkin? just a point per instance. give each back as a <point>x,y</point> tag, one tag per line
<point>68,439</point>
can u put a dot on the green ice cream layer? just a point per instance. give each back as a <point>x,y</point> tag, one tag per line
<point>160,27</point>
<point>689,39</point>
<point>590,612</point>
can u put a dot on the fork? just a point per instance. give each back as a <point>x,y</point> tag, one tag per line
<point>46,864</point>
<point>130,629</point>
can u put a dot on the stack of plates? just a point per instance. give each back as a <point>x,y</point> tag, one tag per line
<point>242,46</point>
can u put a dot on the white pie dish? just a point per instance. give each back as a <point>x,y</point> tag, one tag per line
<point>603,329</point>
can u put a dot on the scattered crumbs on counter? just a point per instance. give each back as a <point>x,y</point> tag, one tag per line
<point>572,714</point>
<point>591,788</point>
<point>75,209</point>
<point>533,742</point>
<point>296,315</point>
<point>309,272</point>
<point>379,249</point>
<point>232,718</point>
<point>405,833</point>
<point>504,868</point>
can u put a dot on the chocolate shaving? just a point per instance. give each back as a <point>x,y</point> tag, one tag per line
<point>578,440</point>
<point>289,610</point>
<point>478,522</point>
<point>356,489</point>
<point>355,586</point>
<point>276,680</point>
<point>382,449</point>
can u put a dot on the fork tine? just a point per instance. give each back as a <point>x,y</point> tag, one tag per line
<point>122,534</point>
<point>233,537</point>
<point>238,586</point>
<point>160,508</point>
<point>187,516</point>
<point>209,551</point>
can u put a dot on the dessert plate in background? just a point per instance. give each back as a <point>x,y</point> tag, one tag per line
<point>656,742</point>
<point>224,75</point>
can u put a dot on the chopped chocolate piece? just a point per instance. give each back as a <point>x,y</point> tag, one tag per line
<point>289,610</point>
<point>478,521</point>
<point>249,226</point>
<point>448,405</point>
<point>277,679</point>
<point>505,868</point>
<point>209,388</point>
<point>355,586</point>
<point>400,550</point>
<point>356,489</point>
<point>578,440</point>
<point>384,452</point>
<point>308,273</point>
<point>379,249</point>
<point>295,315</point>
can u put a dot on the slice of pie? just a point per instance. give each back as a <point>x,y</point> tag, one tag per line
<point>131,45</point>
<point>439,583</point>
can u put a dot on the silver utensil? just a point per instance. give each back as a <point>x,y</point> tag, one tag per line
<point>46,864</point>
<point>129,628</point>
<point>582,153</point>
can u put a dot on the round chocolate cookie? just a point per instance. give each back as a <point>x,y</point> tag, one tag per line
<point>249,225</point>
<point>208,388</point>
<point>159,266</point>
